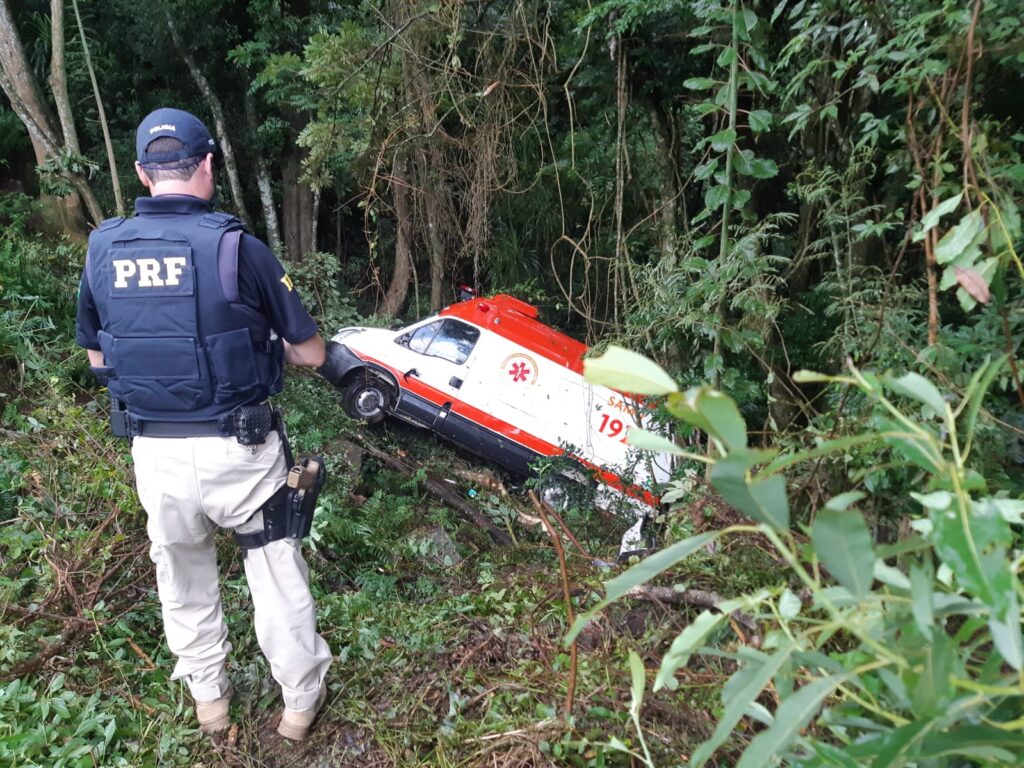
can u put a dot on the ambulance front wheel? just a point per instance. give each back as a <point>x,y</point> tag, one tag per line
<point>368,399</point>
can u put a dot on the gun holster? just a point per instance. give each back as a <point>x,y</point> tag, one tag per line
<point>289,512</point>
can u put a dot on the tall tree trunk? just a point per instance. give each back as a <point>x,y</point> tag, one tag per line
<point>19,85</point>
<point>297,207</point>
<point>398,289</point>
<point>669,185</point>
<point>115,181</point>
<point>429,195</point>
<point>219,124</point>
<point>263,182</point>
<point>58,77</point>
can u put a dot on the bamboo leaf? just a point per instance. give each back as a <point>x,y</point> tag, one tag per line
<point>638,676</point>
<point>917,387</point>
<point>641,573</point>
<point>739,693</point>
<point>930,219</point>
<point>960,237</point>
<point>791,717</point>
<point>628,371</point>
<point>683,646</point>
<point>922,605</point>
<point>843,543</point>
<point>650,441</point>
<point>763,500</point>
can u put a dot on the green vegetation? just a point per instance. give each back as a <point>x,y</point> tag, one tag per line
<point>743,191</point>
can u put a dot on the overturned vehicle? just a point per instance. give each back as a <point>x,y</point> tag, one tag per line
<point>487,375</point>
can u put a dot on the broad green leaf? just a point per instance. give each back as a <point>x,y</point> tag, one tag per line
<point>890,576</point>
<point>1006,637</point>
<point>792,716</point>
<point>893,748</point>
<point>930,219</point>
<point>683,646</point>
<point>759,120</point>
<point>957,741</point>
<point>789,605</point>
<point>627,371</point>
<point>973,543</point>
<point>641,573</point>
<point>716,196</point>
<point>975,394</point>
<point>844,500</point>
<point>932,689</point>
<point>813,377</point>
<point>934,500</point>
<point>722,140</point>
<point>739,693</point>
<point>960,237</point>
<point>763,500</point>
<point>843,544</point>
<point>651,441</point>
<point>922,605</point>
<point>638,676</point>
<point>917,387</point>
<point>699,83</point>
<point>713,413</point>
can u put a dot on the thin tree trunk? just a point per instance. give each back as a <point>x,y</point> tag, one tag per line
<point>19,85</point>
<point>219,124</point>
<point>669,188</point>
<point>429,195</point>
<point>263,183</point>
<point>398,289</point>
<point>58,77</point>
<point>296,205</point>
<point>114,179</point>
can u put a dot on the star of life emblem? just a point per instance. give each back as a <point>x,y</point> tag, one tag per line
<point>519,369</point>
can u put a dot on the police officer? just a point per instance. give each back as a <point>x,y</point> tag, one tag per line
<point>188,320</point>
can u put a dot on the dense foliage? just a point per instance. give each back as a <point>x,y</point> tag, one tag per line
<point>742,190</point>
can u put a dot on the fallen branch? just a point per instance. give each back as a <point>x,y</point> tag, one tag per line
<point>439,489</point>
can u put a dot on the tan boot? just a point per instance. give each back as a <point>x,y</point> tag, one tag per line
<point>213,715</point>
<point>295,724</point>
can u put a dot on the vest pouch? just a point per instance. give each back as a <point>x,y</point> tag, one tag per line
<point>233,362</point>
<point>158,374</point>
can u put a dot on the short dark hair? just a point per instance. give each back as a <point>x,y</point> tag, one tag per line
<point>179,170</point>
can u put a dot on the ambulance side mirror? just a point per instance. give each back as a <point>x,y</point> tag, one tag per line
<point>411,372</point>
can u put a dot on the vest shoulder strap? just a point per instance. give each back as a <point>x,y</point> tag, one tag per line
<point>227,265</point>
<point>219,220</point>
<point>111,223</point>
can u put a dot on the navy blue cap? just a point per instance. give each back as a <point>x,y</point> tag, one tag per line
<point>178,124</point>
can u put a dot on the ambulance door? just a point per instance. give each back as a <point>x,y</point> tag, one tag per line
<point>438,360</point>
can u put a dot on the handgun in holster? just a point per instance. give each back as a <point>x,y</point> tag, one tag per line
<point>305,480</point>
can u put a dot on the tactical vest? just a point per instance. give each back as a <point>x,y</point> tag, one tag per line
<point>181,344</point>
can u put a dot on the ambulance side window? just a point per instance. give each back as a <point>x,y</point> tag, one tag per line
<point>454,342</point>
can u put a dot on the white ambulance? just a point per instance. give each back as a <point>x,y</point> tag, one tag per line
<point>487,375</point>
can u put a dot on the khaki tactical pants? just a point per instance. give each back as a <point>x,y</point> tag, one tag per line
<point>188,486</point>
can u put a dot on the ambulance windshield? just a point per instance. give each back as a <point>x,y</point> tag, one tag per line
<point>448,339</point>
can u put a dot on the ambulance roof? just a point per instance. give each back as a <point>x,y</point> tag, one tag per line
<point>517,321</point>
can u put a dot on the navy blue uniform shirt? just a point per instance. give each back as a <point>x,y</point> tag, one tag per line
<point>262,281</point>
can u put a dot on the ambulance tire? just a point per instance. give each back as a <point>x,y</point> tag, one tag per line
<point>556,492</point>
<point>368,398</point>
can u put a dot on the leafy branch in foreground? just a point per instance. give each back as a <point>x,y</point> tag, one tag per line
<point>903,654</point>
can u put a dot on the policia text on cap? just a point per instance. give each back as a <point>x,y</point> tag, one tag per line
<point>189,320</point>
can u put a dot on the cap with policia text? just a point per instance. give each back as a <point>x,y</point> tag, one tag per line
<point>174,123</point>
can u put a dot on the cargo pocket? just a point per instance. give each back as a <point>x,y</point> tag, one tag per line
<point>233,361</point>
<point>164,374</point>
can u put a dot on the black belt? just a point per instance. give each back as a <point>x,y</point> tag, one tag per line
<point>150,428</point>
<point>249,424</point>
